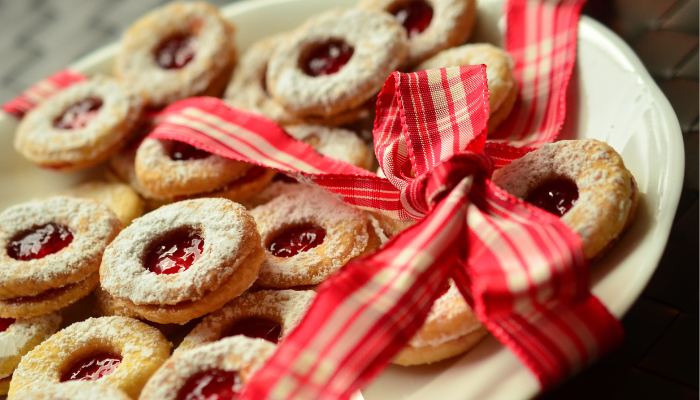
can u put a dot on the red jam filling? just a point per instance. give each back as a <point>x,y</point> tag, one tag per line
<point>415,16</point>
<point>39,242</point>
<point>297,240</point>
<point>175,253</point>
<point>5,323</point>
<point>92,368</point>
<point>182,152</point>
<point>257,328</point>
<point>328,59</point>
<point>556,196</point>
<point>176,52</point>
<point>215,384</point>
<point>79,114</point>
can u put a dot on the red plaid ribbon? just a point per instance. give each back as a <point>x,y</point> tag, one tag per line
<point>521,269</point>
<point>31,97</point>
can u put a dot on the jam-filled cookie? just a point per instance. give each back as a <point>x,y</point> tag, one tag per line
<point>50,251</point>
<point>248,90</point>
<point>183,260</point>
<point>335,62</point>
<point>120,198</point>
<point>80,126</point>
<point>121,352</point>
<point>308,235</point>
<point>450,329</point>
<point>18,337</point>
<point>503,89</point>
<point>168,168</point>
<point>431,25</point>
<point>73,390</point>
<point>585,182</point>
<point>216,370</point>
<point>338,143</point>
<point>267,314</point>
<point>177,51</point>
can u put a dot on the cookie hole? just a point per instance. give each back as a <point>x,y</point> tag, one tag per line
<point>415,16</point>
<point>5,323</point>
<point>326,58</point>
<point>556,196</point>
<point>39,242</point>
<point>295,240</point>
<point>175,252</point>
<point>176,51</point>
<point>79,114</point>
<point>180,151</point>
<point>92,367</point>
<point>212,384</point>
<point>256,328</point>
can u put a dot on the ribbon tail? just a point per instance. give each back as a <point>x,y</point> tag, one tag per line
<point>528,282</point>
<point>367,313</point>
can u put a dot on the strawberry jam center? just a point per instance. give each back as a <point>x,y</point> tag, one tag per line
<point>5,323</point>
<point>39,242</point>
<point>79,114</point>
<point>556,196</point>
<point>215,384</point>
<point>92,368</point>
<point>257,328</point>
<point>176,253</point>
<point>182,151</point>
<point>415,16</point>
<point>328,58</point>
<point>296,240</point>
<point>176,52</point>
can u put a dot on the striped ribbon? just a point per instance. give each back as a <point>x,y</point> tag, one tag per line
<point>41,91</point>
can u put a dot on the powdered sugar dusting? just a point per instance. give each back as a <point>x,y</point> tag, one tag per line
<point>224,226</point>
<point>21,336</point>
<point>74,390</point>
<point>238,353</point>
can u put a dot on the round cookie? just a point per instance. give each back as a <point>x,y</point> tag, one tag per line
<point>73,390</point>
<point>120,198</point>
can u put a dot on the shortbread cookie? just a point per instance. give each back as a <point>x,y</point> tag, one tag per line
<point>335,62</point>
<point>585,182</point>
<point>338,143</point>
<point>118,351</point>
<point>80,126</point>
<point>73,390</point>
<point>120,198</point>
<point>183,260</point>
<point>177,51</point>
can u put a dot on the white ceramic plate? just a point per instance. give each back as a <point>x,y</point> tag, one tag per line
<point>611,98</point>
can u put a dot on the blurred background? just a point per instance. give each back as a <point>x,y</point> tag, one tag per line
<point>660,357</point>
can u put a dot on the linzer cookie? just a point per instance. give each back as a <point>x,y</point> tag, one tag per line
<point>80,125</point>
<point>248,89</point>
<point>183,260</point>
<point>18,337</point>
<point>267,314</point>
<point>450,329</point>
<point>122,168</point>
<point>503,89</point>
<point>217,370</point>
<point>51,251</point>
<point>335,62</point>
<point>120,352</point>
<point>177,51</point>
<point>431,25</point>
<point>308,236</point>
<point>584,182</point>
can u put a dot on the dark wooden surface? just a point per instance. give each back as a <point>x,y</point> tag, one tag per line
<point>660,357</point>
